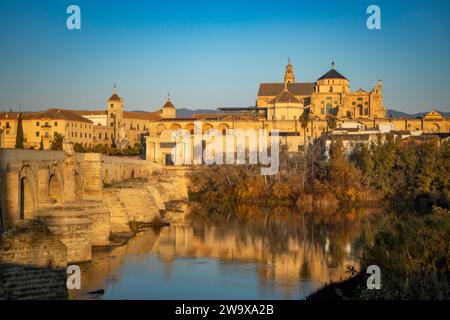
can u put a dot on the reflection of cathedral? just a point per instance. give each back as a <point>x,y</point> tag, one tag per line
<point>330,95</point>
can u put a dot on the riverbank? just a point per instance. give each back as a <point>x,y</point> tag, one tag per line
<point>413,254</point>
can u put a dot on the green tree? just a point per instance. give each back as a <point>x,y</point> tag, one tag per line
<point>19,136</point>
<point>79,148</point>
<point>57,142</point>
<point>331,122</point>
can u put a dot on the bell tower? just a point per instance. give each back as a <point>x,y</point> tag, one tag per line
<point>115,112</point>
<point>289,73</point>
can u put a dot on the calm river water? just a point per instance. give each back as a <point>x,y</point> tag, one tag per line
<point>258,257</point>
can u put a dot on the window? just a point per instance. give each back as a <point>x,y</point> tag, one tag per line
<point>331,89</point>
<point>7,125</point>
<point>112,105</point>
<point>106,136</point>
<point>366,111</point>
<point>360,108</point>
<point>46,134</point>
<point>322,110</point>
<point>56,124</point>
<point>138,126</point>
<point>99,135</point>
<point>328,107</point>
<point>37,124</point>
<point>37,134</point>
<point>75,134</point>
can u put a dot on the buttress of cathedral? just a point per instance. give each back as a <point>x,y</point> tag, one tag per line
<point>329,96</point>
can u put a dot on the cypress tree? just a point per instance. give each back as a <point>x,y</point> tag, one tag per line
<point>19,137</point>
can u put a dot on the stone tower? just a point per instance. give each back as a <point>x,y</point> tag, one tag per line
<point>168,111</point>
<point>289,73</point>
<point>115,112</point>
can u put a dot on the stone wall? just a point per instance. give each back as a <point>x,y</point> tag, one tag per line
<point>32,264</point>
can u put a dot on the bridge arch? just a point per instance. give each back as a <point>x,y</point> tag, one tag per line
<point>27,193</point>
<point>55,184</point>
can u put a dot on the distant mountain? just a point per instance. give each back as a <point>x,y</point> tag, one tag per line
<point>400,114</point>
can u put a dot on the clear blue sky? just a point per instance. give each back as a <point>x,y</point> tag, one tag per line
<point>214,53</point>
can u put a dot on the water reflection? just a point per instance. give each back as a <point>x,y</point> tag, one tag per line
<point>263,255</point>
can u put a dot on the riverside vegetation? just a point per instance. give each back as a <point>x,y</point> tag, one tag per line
<point>410,180</point>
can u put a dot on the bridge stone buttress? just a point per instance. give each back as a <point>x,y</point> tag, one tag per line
<point>63,191</point>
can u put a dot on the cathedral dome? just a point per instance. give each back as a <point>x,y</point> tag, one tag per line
<point>168,104</point>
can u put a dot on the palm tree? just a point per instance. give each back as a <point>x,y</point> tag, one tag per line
<point>57,142</point>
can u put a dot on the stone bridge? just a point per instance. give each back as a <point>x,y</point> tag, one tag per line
<point>55,206</point>
<point>33,181</point>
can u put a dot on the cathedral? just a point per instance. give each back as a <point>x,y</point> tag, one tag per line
<point>328,96</point>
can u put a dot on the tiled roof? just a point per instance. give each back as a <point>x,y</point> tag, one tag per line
<point>168,104</point>
<point>9,115</point>
<point>332,74</point>
<point>298,89</point>
<point>286,96</point>
<point>156,115</point>
<point>114,97</point>
<point>60,114</point>
<point>91,112</point>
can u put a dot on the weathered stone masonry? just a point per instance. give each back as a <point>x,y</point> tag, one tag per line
<point>54,207</point>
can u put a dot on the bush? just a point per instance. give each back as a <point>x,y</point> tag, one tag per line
<point>413,254</point>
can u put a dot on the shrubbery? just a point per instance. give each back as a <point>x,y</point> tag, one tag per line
<point>413,253</point>
<point>100,148</point>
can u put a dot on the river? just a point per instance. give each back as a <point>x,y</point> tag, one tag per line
<point>261,255</point>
